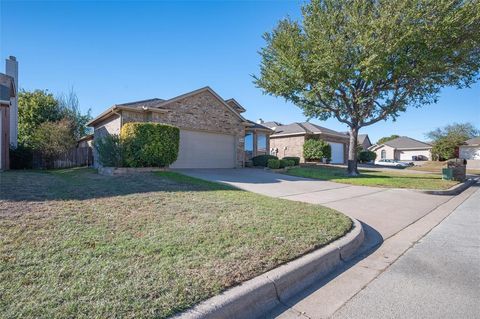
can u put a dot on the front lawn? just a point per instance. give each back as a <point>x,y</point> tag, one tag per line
<point>436,167</point>
<point>374,178</point>
<point>77,244</point>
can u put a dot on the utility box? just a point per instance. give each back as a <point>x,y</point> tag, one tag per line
<point>456,170</point>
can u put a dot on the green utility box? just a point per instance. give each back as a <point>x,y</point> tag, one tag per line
<point>447,174</point>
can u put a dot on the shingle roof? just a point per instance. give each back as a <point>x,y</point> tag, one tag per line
<point>142,103</point>
<point>258,126</point>
<point>473,141</point>
<point>406,142</point>
<point>361,138</point>
<point>305,128</point>
<point>271,124</point>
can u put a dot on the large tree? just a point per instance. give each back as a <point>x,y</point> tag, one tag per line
<point>446,140</point>
<point>363,61</point>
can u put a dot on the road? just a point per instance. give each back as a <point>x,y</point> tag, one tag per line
<point>439,277</point>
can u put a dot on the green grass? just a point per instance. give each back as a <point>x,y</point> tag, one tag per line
<point>77,244</point>
<point>374,178</point>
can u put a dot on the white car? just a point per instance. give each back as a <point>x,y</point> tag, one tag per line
<point>395,163</point>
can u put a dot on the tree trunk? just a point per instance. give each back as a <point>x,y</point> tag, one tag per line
<point>352,152</point>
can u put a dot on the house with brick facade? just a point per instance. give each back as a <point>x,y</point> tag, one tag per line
<point>8,111</point>
<point>213,132</point>
<point>287,140</point>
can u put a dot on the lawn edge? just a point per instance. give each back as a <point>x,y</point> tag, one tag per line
<point>454,190</point>
<point>259,295</point>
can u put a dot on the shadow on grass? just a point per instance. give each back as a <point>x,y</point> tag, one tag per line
<point>86,183</point>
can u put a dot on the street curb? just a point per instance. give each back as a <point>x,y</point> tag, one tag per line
<point>257,296</point>
<point>455,190</point>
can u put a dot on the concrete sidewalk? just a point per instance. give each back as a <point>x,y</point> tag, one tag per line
<point>439,277</point>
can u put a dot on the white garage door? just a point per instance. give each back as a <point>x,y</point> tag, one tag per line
<point>337,152</point>
<point>205,150</point>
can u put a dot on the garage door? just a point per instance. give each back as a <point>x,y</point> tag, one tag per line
<point>205,150</point>
<point>337,152</point>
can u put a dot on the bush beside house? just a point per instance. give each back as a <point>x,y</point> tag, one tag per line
<point>316,150</point>
<point>296,160</point>
<point>366,156</point>
<point>262,160</point>
<point>140,145</point>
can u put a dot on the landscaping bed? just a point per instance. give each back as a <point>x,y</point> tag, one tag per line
<point>74,243</point>
<point>374,178</point>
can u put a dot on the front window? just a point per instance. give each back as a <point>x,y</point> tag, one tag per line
<point>248,146</point>
<point>384,154</point>
<point>261,144</point>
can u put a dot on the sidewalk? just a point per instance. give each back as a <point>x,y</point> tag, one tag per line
<point>439,277</point>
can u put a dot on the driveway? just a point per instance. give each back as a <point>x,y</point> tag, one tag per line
<point>387,211</point>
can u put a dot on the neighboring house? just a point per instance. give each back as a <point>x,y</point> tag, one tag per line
<point>364,141</point>
<point>213,133</point>
<point>471,152</point>
<point>404,149</point>
<point>8,111</point>
<point>287,140</point>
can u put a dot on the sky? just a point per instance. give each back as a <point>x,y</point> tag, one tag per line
<point>114,52</point>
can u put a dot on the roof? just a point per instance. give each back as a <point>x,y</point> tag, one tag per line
<point>362,137</point>
<point>155,105</point>
<point>7,87</point>
<point>232,102</point>
<point>304,128</point>
<point>258,126</point>
<point>143,103</point>
<point>271,124</point>
<point>405,142</point>
<point>473,141</point>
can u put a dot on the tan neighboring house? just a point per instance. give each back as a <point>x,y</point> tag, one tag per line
<point>8,111</point>
<point>213,132</point>
<point>287,140</point>
<point>471,152</point>
<point>403,149</point>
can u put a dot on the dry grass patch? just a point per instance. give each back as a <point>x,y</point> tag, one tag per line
<point>77,244</point>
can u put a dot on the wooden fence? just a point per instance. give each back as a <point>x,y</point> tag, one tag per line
<point>79,156</point>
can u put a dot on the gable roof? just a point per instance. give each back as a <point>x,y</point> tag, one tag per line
<point>405,142</point>
<point>304,128</point>
<point>473,141</point>
<point>271,124</point>
<point>155,105</point>
<point>259,126</point>
<point>232,102</point>
<point>362,137</point>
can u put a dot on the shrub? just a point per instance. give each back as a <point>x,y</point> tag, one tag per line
<point>21,157</point>
<point>314,149</point>
<point>150,144</point>
<point>286,163</point>
<point>273,163</point>
<point>110,151</point>
<point>367,156</point>
<point>296,160</point>
<point>262,160</point>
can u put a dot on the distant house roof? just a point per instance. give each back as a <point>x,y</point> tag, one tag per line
<point>259,126</point>
<point>304,128</point>
<point>271,124</point>
<point>405,142</point>
<point>473,141</point>
<point>362,138</point>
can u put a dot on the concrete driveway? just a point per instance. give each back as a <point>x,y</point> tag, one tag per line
<point>387,211</point>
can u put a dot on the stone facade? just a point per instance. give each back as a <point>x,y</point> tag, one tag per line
<point>293,145</point>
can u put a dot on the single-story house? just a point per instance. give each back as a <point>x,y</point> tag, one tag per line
<point>364,141</point>
<point>287,140</point>
<point>404,149</point>
<point>8,111</point>
<point>471,152</point>
<point>213,132</point>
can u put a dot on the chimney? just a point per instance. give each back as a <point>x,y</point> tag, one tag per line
<point>11,69</point>
<point>260,121</point>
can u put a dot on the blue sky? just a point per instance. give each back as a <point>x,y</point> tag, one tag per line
<point>114,52</point>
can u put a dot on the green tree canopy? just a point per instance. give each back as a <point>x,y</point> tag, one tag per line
<point>362,62</point>
<point>446,140</point>
<point>387,138</point>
